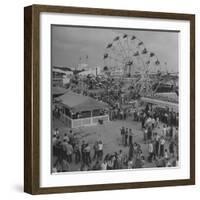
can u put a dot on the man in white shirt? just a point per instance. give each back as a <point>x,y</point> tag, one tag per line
<point>150,148</point>
<point>100,150</point>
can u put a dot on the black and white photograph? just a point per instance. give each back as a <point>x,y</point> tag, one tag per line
<point>114,99</point>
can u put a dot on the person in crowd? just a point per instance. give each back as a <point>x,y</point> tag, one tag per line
<point>171,148</point>
<point>97,166</point>
<point>162,146</point>
<point>130,164</point>
<point>120,159</point>
<point>104,165</point>
<point>149,133</point>
<point>139,162</point>
<point>116,161</point>
<point>166,154</point>
<point>157,144</point>
<point>54,168</point>
<point>153,122</point>
<point>87,154</point>
<point>64,149</point>
<point>150,150</point>
<point>83,153</point>
<point>65,137</point>
<point>175,135</point>
<point>160,162</point>
<point>58,149</point>
<point>95,148</point>
<point>164,131</point>
<point>166,118</point>
<point>171,133</point>
<point>54,143</point>
<point>56,132</point>
<point>130,136</point>
<point>84,167</point>
<point>143,120</point>
<point>123,135</point>
<point>110,162</point>
<point>145,135</point>
<point>65,166</point>
<point>157,122</point>
<point>167,132</point>
<point>168,163</point>
<point>100,150</point>
<point>131,151</point>
<point>126,137</point>
<point>121,114</point>
<point>70,135</point>
<point>135,150</point>
<point>77,153</point>
<point>69,151</point>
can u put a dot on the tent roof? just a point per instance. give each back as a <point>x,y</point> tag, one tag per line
<point>58,71</point>
<point>161,103</point>
<point>62,71</point>
<point>168,95</point>
<point>58,90</point>
<point>77,102</point>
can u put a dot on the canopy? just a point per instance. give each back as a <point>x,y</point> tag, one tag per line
<point>58,71</point>
<point>62,71</point>
<point>57,91</point>
<point>170,96</point>
<point>79,103</point>
<point>172,105</point>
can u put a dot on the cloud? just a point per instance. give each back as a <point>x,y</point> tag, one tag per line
<point>71,43</point>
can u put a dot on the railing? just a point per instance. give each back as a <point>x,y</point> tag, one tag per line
<point>75,123</point>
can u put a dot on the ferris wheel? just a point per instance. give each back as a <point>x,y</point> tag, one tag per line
<point>127,56</point>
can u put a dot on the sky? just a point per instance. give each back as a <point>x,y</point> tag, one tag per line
<point>69,44</point>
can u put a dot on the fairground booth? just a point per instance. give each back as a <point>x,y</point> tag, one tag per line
<point>78,110</point>
<point>168,101</point>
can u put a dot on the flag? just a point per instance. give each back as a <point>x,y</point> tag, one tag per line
<point>140,43</point>
<point>152,54</point>
<point>136,53</point>
<point>133,37</point>
<point>105,56</point>
<point>125,36</point>
<point>117,38</point>
<point>109,45</point>
<point>144,51</point>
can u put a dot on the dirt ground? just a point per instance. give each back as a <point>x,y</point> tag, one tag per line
<point>109,133</point>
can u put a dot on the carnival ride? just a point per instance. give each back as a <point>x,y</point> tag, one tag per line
<point>128,58</point>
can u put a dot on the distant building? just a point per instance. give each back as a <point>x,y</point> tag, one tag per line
<point>60,77</point>
<point>57,77</point>
<point>117,71</point>
<point>82,66</point>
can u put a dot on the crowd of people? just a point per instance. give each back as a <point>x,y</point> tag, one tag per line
<point>70,152</point>
<point>158,148</point>
<point>159,139</point>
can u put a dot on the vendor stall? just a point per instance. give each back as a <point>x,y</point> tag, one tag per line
<point>78,110</point>
<point>155,101</point>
